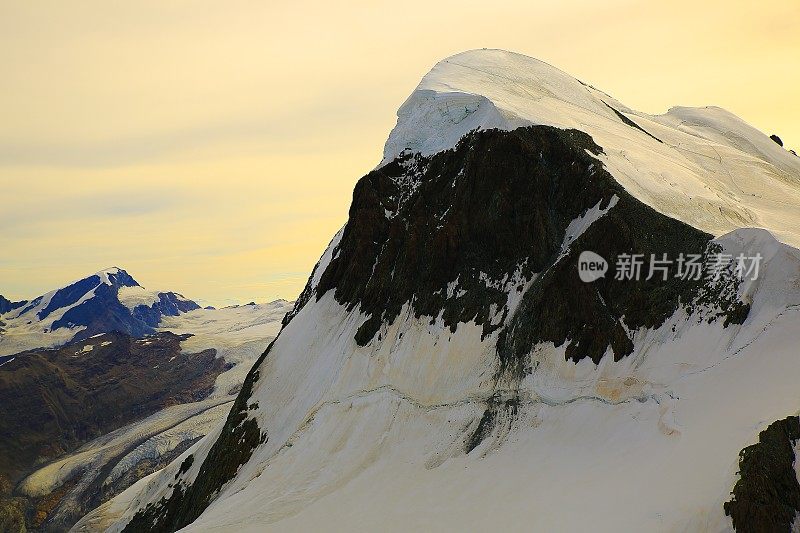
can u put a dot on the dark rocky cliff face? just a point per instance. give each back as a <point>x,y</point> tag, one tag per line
<point>7,305</point>
<point>766,499</point>
<point>498,203</point>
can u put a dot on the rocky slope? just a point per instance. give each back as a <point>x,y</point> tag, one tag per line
<point>56,400</point>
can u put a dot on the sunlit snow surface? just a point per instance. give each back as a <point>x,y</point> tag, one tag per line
<point>711,170</point>
<point>373,438</point>
<point>130,297</point>
<point>239,334</point>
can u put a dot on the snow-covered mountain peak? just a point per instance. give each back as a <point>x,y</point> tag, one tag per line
<point>116,276</point>
<point>76,292</point>
<point>108,300</point>
<point>703,166</point>
<point>484,89</point>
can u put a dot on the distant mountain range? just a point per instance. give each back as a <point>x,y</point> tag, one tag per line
<point>106,301</point>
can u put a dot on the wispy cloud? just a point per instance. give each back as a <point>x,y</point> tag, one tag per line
<point>111,206</point>
<point>308,125</point>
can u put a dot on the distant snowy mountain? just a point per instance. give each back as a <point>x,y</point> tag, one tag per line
<point>109,300</point>
<point>447,368</point>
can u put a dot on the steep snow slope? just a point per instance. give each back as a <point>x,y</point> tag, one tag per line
<point>109,300</point>
<point>445,369</point>
<point>703,166</point>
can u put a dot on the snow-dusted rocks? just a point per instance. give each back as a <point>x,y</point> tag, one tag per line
<point>446,369</point>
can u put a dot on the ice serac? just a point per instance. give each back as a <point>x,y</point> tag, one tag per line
<point>446,368</point>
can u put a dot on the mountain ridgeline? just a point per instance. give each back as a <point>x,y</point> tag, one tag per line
<point>109,300</point>
<point>7,305</point>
